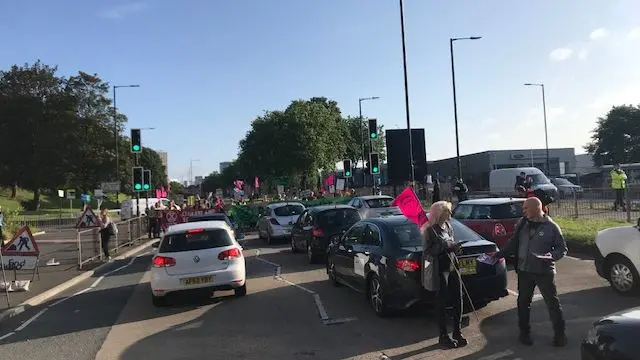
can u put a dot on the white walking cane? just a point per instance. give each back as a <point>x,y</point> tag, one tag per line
<point>464,288</point>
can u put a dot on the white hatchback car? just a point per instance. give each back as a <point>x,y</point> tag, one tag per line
<point>278,220</point>
<point>618,257</point>
<point>197,256</point>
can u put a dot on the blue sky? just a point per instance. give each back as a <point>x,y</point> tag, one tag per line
<point>208,68</point>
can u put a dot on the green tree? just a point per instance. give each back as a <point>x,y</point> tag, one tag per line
<point>357,131</point>
<point>616,138</point>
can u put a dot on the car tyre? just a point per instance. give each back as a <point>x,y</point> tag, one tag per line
<point>331,273</point>
<point>622,276</point>
<point>241,291</point>
<point>158,301</point>
<point>269,239</point>
<point>376,296</point>
<point>313,258</point>
<point>294,249</point>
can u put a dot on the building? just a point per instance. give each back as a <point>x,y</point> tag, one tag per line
<point>476,167</point>
<point>224,165</point>
<point>164,157</point>
<point>198,180</point>
<point>585,165</point>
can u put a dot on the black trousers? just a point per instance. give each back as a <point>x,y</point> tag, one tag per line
<point>527,283</point>
<point>619,199</point>
<point>105,236</point>
<point>450,293</point>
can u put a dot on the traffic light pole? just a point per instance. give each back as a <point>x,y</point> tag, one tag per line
<point>373,176</point>
<point>137,193</point>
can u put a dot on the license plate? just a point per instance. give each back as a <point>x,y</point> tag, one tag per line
<point>198,280</point>
<point>468,266</point>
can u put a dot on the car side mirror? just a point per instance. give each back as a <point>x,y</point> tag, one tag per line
<point>155,244</point>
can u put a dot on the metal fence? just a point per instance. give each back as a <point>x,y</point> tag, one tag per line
<point>66,220</point>
<point>89,242</point>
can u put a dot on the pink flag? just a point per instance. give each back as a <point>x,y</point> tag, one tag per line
<point>410,206</point>
<point>238,184</point>
<point>330,180</point>
<point>163,192</point>
<point>256,182</point>
<point>158,193</point>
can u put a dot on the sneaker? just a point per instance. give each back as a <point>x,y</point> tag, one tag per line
<point>457,336</point>
<point>525,339</point>
<point>560,340</point>
<point>446,342</point>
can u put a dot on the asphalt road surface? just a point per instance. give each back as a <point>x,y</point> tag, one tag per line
<point>298,315</point>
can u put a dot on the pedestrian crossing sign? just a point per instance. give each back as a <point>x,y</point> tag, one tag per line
<point>22,244</point>
<point>88,220</point>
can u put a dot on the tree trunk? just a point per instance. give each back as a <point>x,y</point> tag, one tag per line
<point>36,200</point>
<point>14,190</point>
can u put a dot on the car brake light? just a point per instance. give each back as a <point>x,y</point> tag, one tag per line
<point>499,230</point>
<point>407,265</point>
<point>317,232</point>
<point>230,254</point>
<point>274,221</point>
<point>163,261</point>
<point>195,231</point>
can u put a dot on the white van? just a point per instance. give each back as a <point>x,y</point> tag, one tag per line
<point>127,207</point>
<point>502,181</point>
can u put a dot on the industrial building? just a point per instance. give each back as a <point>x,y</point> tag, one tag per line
<point>476,167</point>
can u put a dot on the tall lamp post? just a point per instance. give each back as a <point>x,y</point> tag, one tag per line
<point>115,135</point>
<point>360,100</point>
<point>455,103</point>
<point>544,114</point>
<point>406,92</point>
<point>191,179</point>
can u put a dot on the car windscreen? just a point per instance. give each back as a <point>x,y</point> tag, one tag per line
<point>562,181</point>
<point>195,240</point>
<point>407,235</point>
<point>288,210</point>
<point>539,179</point>
<point>379,202</point>
<point>461,233</point>
<point>337,217</point>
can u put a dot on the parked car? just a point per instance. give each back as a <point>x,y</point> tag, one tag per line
<point>566,189</point>
<point>494,219</point>
<point>277,220</point>
<point>618,257</point>
<point>198,257</point>
<point>374,206</point>
<point>382,257</point>
<point>614,337</point>
<point>316,225</point>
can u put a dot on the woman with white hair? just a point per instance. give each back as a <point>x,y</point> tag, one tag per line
<point>440,273</point>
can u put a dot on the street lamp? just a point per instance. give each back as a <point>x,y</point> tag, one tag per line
<point>360,100</point>
<point>544,114</point>
<point>191,179</point>
<point>406,92</point>
<point>455,104</point>
<point>115,135</point>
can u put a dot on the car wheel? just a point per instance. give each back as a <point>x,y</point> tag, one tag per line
<point>269,239</point>
<point>294,249</point>
<point>241,291</point>
<point>623,277</point>
<point>310,255</point>
<point>376,296</point>
<point>331,272</point>
<point>159,301</point>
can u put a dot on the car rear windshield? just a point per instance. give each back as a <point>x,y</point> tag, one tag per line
<point>461,233</point>
<point>207,239</point>
<point>288,210</point>
<point>338,217</point>
<point>379,202</point>
<point>407,235</point>
<point>489,212</point>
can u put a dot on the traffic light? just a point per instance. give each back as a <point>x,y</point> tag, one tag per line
<point>373,129</point>
<point>138,178</point>
<point>346,164</point>
<point>136,141</point>
<point>375,163</point>
<point>146,180</point>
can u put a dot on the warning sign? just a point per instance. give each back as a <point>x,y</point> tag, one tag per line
<point>88,220</point>
<point>21,253</point>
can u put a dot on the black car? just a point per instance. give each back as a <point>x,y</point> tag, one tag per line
<point>614,337</point>
<point>316,225</point>
<point>382,257</point>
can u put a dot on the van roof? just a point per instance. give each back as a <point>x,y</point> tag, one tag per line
<point>520,169</point>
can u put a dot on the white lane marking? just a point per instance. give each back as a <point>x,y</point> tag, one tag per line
<point>308,291</point>
<point>320,306</point>
<point>339,321</point>
<point>497,356</point>
<point>31,319</point>
<point>6,335</point>
<point>534,298</point>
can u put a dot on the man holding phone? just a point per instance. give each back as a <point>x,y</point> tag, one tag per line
<point>536,245</point>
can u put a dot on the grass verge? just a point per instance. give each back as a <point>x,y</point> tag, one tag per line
<point>582,232</point>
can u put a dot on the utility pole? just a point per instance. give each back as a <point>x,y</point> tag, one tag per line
<point>362,131</point>
<point>116,137</point>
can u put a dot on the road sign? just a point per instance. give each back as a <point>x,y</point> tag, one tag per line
<point>71,194</point>
<point>88,219</point>
<point>61,194</point>
<point>113,186</point>
<point>21,253</point>
<point>98,193</point>
<point>85,197</point>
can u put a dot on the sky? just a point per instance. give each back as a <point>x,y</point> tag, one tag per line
<point>208,68</point>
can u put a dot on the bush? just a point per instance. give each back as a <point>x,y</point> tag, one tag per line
<point>582,232</point>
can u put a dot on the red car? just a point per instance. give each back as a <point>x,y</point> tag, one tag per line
<point>493,218</point>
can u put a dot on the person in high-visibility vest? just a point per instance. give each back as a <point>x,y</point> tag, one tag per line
<point>619,184</point>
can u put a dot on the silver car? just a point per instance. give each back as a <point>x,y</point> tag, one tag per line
<point>278,219</point>
<point>374,206</point>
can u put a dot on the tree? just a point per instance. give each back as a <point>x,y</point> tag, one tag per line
<point>357,131</point>
<point>150,160</point>
<point>616,138</point>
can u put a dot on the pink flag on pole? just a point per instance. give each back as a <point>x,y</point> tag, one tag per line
<point>158,193</point>
<point>163,192</point>
<point>330,180</point>
<point>410,206</point>
<point>256,182</point>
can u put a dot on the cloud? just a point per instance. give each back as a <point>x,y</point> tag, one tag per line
<point>598,34</point>
<point>560,54</point>
<point>634,34</point>
<point>583,54</point>
<point>120,11</point>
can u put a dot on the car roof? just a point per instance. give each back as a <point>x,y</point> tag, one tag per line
<point>207,225</point>
<point>392,220</point>
<point>370,197</point>
<point>321,208</point>
<point>491,201</point>
<point>216,216</point>
<point>284,203</point>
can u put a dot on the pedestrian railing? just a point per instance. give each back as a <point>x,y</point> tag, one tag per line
<point>89,242</point>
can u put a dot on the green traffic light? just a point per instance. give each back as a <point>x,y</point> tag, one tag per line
<point>348,173</point>
<point>136,147</point>
<point>373,135</point>
<point>146,187</point>
<point>138,186</point>
<point>375,169</point>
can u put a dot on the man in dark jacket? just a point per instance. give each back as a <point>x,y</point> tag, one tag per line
<point>536,245</point>
<point>460,189</point>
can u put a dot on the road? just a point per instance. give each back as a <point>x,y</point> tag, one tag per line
<point>111,317</point>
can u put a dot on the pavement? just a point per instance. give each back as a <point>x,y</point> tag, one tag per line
<point>296,315</point>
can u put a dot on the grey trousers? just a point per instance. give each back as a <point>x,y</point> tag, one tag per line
<point>527,283</point>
